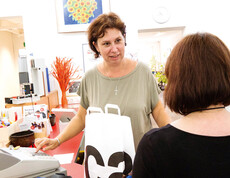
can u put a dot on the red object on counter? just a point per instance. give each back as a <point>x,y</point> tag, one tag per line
<point>71,146</point>
<point>16,116</point>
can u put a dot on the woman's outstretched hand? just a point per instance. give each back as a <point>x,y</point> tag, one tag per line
<point>46,144</point>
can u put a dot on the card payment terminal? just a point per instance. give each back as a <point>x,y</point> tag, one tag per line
<point>24,162</point>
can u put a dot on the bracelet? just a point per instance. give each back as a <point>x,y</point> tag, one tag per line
<point>59,143</point>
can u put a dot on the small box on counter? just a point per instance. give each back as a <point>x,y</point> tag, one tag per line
<point>64,115</point>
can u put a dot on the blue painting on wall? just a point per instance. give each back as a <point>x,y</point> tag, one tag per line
<point>81,11</point>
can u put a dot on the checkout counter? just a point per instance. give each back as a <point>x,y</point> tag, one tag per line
<point>71,146</point>
<point>12,159</point>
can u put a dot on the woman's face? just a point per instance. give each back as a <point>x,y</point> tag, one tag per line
<point>111,46</point>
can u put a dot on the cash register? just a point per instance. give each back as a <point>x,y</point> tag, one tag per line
<point>24,162</point>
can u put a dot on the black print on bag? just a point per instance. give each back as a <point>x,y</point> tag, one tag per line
<point>113,161</point>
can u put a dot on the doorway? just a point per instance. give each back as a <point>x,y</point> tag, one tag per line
<point>155,45</point>
<point>12,39</point>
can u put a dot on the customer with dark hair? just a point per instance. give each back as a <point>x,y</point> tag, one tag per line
<point>198,145</point>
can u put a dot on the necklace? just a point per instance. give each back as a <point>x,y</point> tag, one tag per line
<point>116,88</point>
<point>208,109</point>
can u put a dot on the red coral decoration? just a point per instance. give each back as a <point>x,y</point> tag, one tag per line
<point>63,70</point>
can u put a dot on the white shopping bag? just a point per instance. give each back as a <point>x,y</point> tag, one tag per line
<point>109,144</point>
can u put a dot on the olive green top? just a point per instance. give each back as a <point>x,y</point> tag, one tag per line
<point>137,95</point>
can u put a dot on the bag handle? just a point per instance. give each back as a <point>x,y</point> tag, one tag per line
<point>94,109</point>
<point>114,106</point>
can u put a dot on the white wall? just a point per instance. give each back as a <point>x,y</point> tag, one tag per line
<point>9,77</point>
<point>196,15</point>
<point>42,39</point>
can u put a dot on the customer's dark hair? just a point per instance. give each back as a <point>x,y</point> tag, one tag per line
<point>198,72</point>
<point>98,27</point>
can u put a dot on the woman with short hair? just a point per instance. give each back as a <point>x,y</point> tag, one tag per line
<point>197,145</point>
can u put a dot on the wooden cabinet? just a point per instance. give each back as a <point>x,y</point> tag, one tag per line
<point>51,100</point>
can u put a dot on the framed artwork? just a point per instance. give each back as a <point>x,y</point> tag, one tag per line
<point>76,15</point>
<point>89,61</point>
<point>74,87</point>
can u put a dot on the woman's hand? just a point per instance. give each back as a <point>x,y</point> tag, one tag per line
<point>46,144</point>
